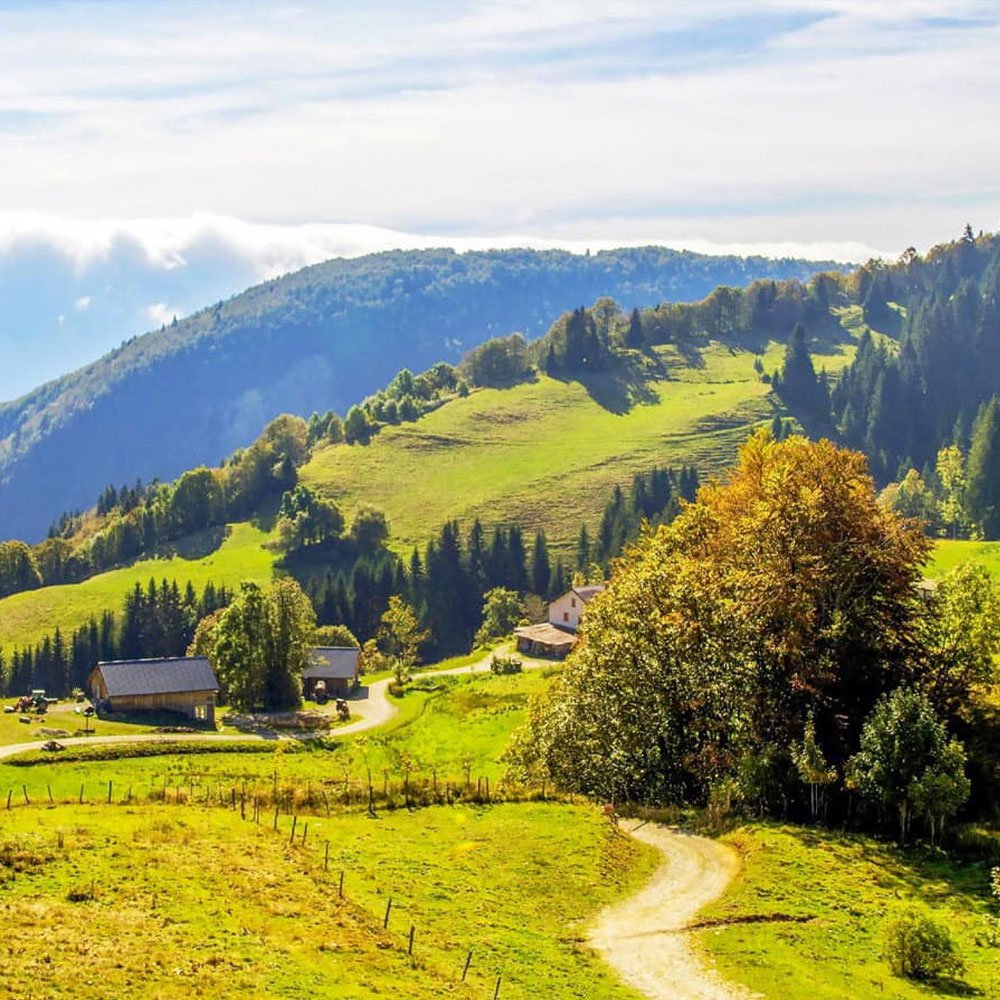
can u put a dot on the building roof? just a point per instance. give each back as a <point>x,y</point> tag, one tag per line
<point>332,662</point>
<point>589,592</point>
<point>171,675</point>
<point>545,633</point>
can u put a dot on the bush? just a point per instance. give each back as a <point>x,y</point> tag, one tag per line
<point>918,947</point>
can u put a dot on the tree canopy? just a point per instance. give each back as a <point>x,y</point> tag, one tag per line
<point>785,595</point>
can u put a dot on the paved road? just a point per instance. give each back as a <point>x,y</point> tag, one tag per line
<point>644,937</point>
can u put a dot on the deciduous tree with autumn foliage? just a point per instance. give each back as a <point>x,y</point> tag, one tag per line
<point>783,604</point>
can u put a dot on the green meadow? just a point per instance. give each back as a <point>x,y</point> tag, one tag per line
<point>547,453</point>
<point>950,553</point>
<point>804,919</point>
<point>26,617</point>
<point>175,902</point>
<point>455,726</point>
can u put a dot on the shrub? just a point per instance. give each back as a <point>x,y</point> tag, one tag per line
<point>918,947</point>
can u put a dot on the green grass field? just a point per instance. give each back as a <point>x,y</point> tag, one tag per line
<point>172,902</point>
<point>457,726</point>
<point>545,454</point>
<point>26,617</point>
<point>948,554</point>
<point>842,887</point>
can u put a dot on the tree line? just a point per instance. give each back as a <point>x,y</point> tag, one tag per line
<point>155,620</point>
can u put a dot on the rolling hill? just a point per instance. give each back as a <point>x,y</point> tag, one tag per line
<point>545,453</point>
<point>321,338</point>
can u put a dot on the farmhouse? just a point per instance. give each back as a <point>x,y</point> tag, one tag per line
<point>336,665</point>
<point>177,684</point>
<point>567,610</point>
<point>557,636</point>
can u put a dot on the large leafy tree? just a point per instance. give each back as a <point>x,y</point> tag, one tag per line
<point>400,636</point>
<point>291,623</point>
<point>240,652</point>
<point>260,645</point>
<point>785,593</point>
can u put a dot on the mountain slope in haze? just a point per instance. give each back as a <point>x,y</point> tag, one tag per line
<point>321,338</point>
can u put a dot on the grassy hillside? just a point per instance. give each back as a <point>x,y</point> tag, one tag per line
<point>948,554</point>
<point>545,453</point>
<point>803,921</point>
<point>321,338</point>
<point>178,902</point>
<point>548,453</point>
<point>26,617</point>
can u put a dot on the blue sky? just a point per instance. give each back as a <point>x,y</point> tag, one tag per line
<point>154,157</point>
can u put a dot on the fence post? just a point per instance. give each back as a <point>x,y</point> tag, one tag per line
<point>49,790</point>
<point>326,857</point>
<point>81,795</point>
<point>9,794</point>
<point>24,789</point>
<point>388,910</point>
<point>340,890</point>
<point>291,838</point>
<point>468,962</point>
<point>496,992</point>
<point>409,950</point>
<point>305,830</point>
<point>109,791</point>
<point>275,817</point>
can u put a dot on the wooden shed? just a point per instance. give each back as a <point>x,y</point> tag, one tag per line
<point>544,639</point>
<point>176,684</point>
<point>337,666</point>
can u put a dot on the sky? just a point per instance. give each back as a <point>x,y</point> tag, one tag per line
<point>155,157</point>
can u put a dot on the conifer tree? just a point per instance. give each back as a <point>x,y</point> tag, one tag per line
<point>541,570</point>
<point>984,470</point>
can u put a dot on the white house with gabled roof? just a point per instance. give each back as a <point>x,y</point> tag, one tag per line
<point>566,610</point>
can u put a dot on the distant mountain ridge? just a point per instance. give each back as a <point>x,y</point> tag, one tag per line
<point>320,338</point>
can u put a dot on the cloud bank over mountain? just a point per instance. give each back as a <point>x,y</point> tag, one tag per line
<point>70,290</point>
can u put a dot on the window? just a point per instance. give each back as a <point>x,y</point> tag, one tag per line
<point>201,712</point>
<point>572,602</point>
<point>565,616</point>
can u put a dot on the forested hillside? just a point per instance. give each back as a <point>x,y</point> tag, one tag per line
<point>319,339</point>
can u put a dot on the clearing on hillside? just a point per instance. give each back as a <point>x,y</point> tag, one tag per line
<point>547,453</point>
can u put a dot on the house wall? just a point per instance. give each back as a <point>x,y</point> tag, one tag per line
<point>195,704</point>
<point>565,611</point>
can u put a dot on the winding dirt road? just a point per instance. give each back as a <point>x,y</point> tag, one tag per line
<point>644,937</point>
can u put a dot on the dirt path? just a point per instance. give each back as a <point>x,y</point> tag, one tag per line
<point>644,937</point>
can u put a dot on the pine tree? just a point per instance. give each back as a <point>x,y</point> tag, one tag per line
<point>984,470</point>
<point>583,550</point>
<point>634,336</point>
<point>541,570</point>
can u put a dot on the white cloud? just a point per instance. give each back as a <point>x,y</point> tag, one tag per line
<point>512,117</point>
<point>82,302</point>
<point>159,313</point>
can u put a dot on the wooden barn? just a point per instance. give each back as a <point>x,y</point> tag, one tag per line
<point>544,639</point>
<point>337,666</point>
<point>176,684</point>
